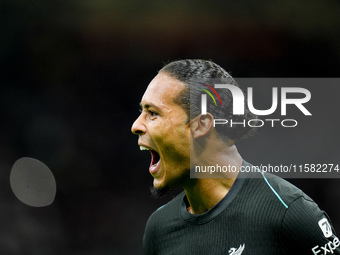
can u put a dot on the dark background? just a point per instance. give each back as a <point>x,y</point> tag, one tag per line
<point>72,76</point>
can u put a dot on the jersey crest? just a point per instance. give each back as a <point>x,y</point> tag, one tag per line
<point>234,251</point>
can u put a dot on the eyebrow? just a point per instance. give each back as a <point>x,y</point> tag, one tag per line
<point>148,106</point>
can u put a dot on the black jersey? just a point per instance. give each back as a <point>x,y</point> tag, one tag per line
<point>262,214</point>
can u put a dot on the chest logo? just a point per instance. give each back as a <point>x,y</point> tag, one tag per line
<point>234,251</point>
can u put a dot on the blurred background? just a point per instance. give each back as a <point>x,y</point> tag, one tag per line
<point>73,74</point>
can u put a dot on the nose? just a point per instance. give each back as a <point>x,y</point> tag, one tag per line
<point>138,127</point>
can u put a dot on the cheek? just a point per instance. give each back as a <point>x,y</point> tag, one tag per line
<point>171,135</point>
<point>177,146</point>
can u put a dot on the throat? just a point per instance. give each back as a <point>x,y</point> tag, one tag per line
<point>201,198</point>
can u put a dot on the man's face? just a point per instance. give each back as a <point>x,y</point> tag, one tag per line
<point>163,130</point>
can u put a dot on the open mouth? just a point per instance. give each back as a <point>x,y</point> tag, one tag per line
<point>155,159</point>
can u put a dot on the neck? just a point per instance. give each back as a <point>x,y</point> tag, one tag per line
<point>204,193</point>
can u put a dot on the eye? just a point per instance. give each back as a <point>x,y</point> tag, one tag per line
<point>152,113</point>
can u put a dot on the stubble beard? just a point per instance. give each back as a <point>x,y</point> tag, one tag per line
<point>159,192</point>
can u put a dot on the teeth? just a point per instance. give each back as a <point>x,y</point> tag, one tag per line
<point>142,148</point>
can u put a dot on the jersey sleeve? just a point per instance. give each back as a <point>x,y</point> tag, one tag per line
<point>306,229</point>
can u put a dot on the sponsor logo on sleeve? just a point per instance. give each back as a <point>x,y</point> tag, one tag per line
<point>328,248</point>
<point>325,227</point>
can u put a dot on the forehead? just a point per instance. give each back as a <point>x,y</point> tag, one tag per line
<point>163,90</point>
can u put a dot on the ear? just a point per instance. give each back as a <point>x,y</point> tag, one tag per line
<point>201,125</point>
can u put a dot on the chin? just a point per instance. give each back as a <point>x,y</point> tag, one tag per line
<point>159,192</point>
<point>159,184</point>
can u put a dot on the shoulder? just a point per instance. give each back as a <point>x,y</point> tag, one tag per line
<point>304,226</point>
<point>271,185</point>
<point>160,222</point>
<point>166,212</point>
<point>271,189</point>
<point>284,189</point>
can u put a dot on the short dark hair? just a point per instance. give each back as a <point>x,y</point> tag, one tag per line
<point>191,70</point>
